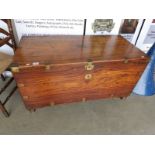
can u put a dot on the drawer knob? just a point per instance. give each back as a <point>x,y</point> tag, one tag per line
<point>88,76</point>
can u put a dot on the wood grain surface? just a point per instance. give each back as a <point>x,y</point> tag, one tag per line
<point>52,70</point>
<point>73,49</point>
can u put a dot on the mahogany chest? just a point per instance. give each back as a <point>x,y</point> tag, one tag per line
<point>52,70</point>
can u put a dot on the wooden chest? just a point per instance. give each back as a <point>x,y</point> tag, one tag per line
<point>63,69</point>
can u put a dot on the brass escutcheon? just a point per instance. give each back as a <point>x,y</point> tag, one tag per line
<point>88,76</point>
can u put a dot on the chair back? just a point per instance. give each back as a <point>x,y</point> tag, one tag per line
<point>9,35</point>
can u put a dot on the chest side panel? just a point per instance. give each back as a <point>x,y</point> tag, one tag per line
<point>44,85</point>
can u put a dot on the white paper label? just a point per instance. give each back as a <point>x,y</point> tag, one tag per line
<point>49,27</point>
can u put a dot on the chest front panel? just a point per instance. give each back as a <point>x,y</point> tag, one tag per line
<point>47,85</point>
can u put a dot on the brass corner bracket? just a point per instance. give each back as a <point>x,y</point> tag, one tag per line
<point>15,69</point>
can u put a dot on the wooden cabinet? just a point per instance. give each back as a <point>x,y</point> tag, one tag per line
<point>65,69</point>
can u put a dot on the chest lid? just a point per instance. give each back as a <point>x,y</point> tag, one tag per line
<point>74,49</point>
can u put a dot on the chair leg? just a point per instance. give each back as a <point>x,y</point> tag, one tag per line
<point>3,78</point>
<point>5,112</point>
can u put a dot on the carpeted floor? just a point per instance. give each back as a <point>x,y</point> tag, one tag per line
<point>134,115</point>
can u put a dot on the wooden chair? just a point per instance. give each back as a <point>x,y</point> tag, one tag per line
<point>9,36</point>
<point>5,61</point>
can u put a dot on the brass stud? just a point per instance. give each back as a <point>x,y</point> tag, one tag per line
<point>35,63</point>
<point>48,67</point>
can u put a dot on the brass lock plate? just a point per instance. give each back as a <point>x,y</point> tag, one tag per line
<point>89,66</point>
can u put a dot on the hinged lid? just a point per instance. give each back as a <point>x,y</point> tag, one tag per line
<point>39,50</point>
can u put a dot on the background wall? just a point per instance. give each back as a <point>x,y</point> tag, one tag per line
<point>138,31</point>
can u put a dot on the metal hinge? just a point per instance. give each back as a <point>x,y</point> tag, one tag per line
<point>47,67</point>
